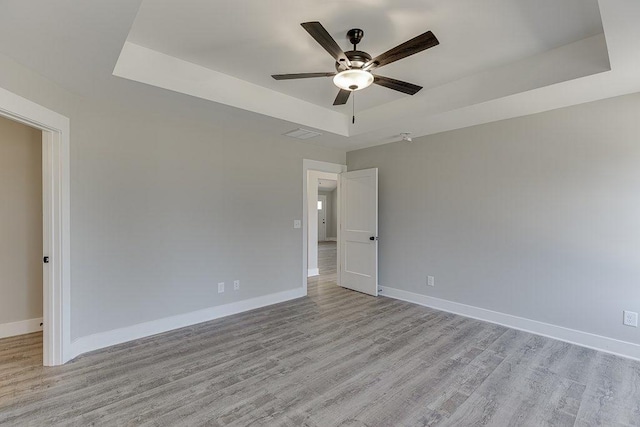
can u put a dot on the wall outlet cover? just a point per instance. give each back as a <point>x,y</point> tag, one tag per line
<point>236,285</point>
<point>630,318</point>
<point>431,281</point>
<point>220,287</point>
<point>297,223</point>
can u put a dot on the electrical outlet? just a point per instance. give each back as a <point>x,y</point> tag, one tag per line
<point>297,223</point>
<point>220,287</point>
<point>431,281</point>
<point>236,285</point>
<point>630,318</point>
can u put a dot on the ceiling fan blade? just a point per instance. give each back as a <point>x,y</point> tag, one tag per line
<point>301,76</point>
<point>408,48</point>
<point>399,85</point>
<point>342,98</point>
<point>318,32</point>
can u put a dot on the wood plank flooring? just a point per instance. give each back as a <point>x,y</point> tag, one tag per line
<point>336,357</point>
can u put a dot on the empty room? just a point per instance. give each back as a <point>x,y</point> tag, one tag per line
<point>303,213</point>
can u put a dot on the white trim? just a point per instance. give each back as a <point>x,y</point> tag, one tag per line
<point>313,272</point>
<point>315,165</point>
<point>583,339</point>
<point>20,328</point>
<point>148,66</point>
<point>141,330</point>
<point>56,220</point>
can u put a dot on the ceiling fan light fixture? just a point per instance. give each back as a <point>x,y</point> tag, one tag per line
<point>353,79</point>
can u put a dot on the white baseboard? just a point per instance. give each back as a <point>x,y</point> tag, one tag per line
<point>141,330</point>
<point>584,339</point>
<point>20,328</point>
<point>332,239</point>
<point>313,272</point>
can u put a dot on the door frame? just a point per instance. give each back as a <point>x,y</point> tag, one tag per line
<point>314,165</point>
<point>56,220</point>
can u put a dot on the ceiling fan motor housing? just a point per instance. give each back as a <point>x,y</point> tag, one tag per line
<point>357,58</point>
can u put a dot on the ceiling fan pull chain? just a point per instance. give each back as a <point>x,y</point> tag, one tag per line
<point>353,108</point>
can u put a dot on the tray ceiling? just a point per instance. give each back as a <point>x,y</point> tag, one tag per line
<point>497,59</point>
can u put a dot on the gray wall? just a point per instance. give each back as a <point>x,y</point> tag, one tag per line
<point>331,212</point>
<point>537,217</point>
<point>20,222</point>
<point>165,206</point>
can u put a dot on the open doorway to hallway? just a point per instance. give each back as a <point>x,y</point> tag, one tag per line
<point>327,226</point>
<point>321,184</point>
<point>322,220</point>
<point>357,225</point>
<point>21,237</point>
<point>325,252</point>
<point>54,129</point>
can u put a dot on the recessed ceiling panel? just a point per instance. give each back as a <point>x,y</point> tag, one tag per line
<point>253,39</point>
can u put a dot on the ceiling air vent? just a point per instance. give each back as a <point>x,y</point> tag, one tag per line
<point>302,134</point>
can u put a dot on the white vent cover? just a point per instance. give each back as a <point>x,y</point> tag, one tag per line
<point>302,134</point>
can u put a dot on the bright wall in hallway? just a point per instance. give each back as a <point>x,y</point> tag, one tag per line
<point>20,222</point>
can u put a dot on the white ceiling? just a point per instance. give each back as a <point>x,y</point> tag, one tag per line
<point>327,184</point>
<point>497,59</point>
<point>251,40</point>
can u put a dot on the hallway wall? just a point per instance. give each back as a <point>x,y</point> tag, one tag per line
<point>20,227</point>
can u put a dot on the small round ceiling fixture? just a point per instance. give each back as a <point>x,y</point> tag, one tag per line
<point>353,80</point>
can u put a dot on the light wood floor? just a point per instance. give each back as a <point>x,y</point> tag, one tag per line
<point>334,358</point>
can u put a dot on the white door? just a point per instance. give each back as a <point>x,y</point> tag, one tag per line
<point>322,218</point>
<point>358,239</point>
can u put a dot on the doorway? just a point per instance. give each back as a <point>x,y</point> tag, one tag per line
<point>320,253</point>
<point>328,209</point>
<point>56,290</point>
<point>357,225</point>
<point>21,245</point>
<point>321,187</point>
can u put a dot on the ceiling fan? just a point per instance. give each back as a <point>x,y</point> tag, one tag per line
<point>354,67</point>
